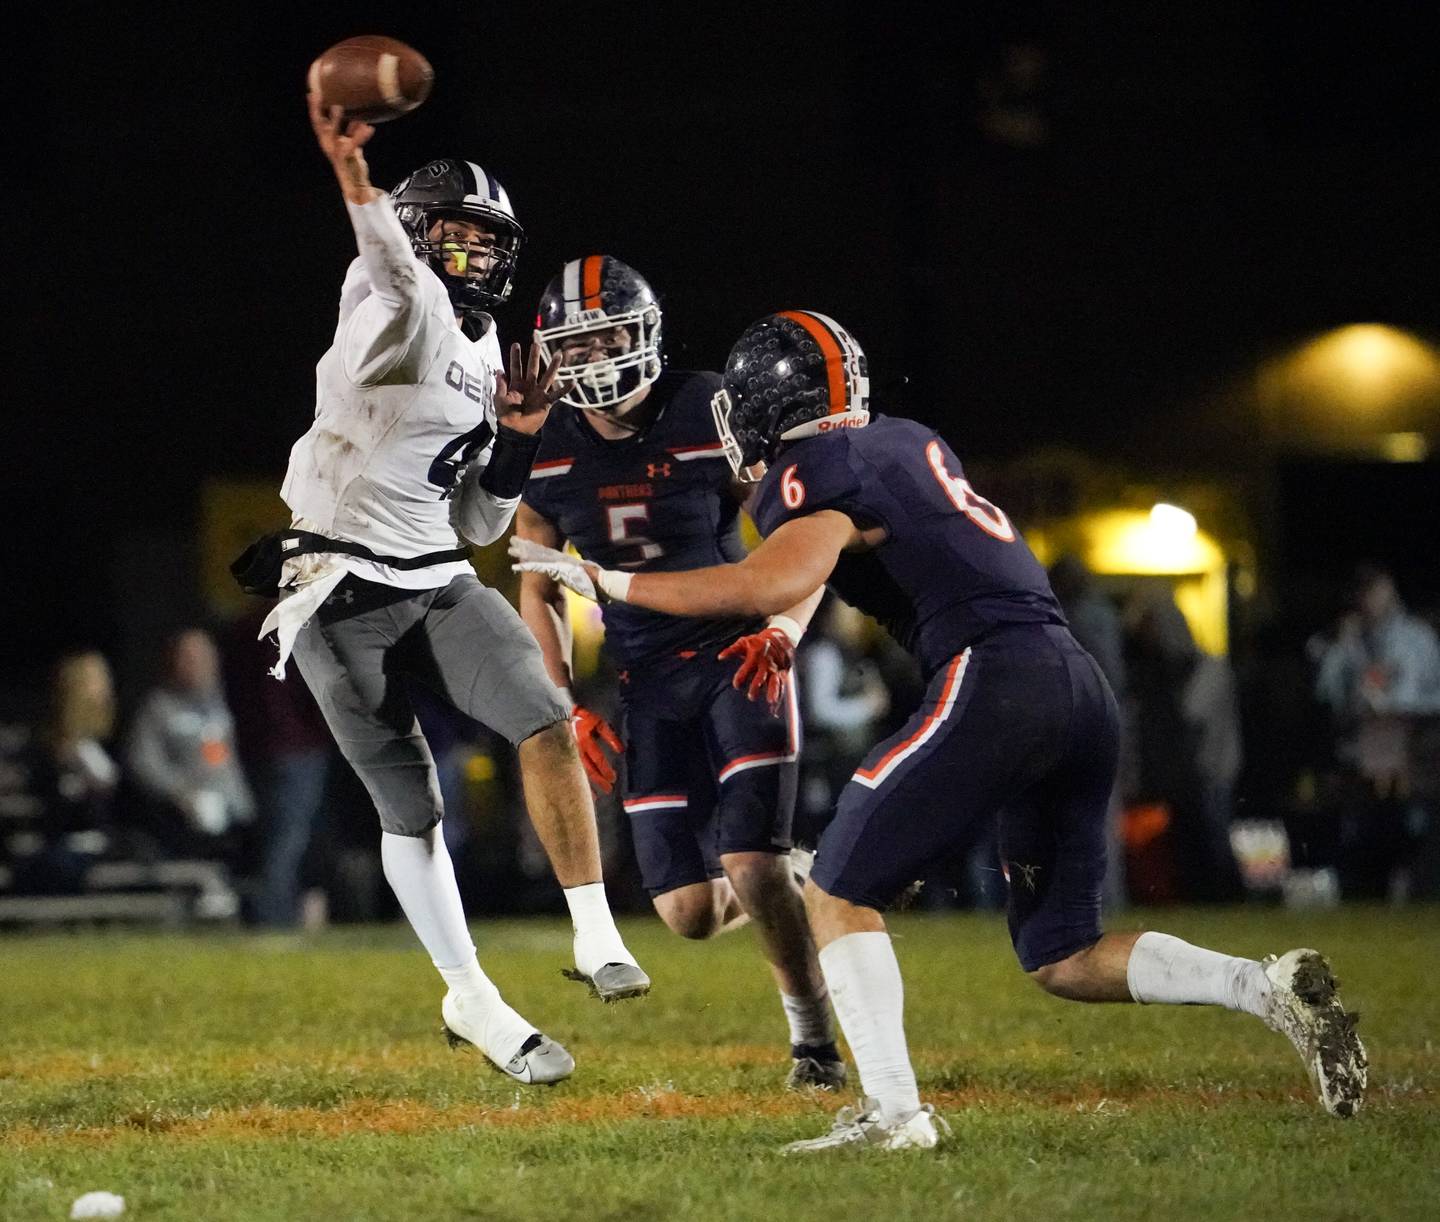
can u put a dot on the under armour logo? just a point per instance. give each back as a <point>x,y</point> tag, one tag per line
<point>1027,874</point>
<point>657,469</point>
<point>342,596</point>
<point>623,676</point>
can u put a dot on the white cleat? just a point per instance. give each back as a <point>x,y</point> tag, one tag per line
<point>612,981</point>
<point>609,969</point>
<point>1305,1008</point>
<point>508,1042</point>
<point>861,1128</point>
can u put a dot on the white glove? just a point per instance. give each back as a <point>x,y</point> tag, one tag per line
<point>567,570</point>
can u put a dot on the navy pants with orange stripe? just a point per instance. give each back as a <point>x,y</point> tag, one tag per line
<point>707,772</point>
<point>1022,726</point>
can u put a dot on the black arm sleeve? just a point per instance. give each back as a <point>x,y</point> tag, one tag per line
<point>509,466</point>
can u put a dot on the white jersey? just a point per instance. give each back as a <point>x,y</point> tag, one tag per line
<point>403,399</point>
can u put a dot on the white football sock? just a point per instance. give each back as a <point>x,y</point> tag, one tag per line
<point>1167,970</point>
<point>597,941</point>
<point>869,998</point>
<point>422,876</point>
<point>470,981</point>
<point>809,1018</point>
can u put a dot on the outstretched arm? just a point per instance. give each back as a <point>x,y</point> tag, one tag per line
<point>379,325</point>
<point>784,572</point>
<point>344,147</point>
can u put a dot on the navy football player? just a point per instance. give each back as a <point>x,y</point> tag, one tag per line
<point>1018,720</point>
<point>635,478</point>
<point>419,437</point>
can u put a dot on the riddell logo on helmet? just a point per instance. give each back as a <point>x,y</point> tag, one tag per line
<point>847,421</point>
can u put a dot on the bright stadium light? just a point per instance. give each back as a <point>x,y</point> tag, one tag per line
<point>1171,524</point>
<point>1405,447</point>
<point>1357,381</point>
<point>1164,541</point>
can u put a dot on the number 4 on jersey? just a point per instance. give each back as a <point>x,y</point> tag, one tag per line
<point>989,518</point>
<point>446,467</point>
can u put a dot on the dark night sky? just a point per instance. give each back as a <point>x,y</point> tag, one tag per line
<point>1216,182</point>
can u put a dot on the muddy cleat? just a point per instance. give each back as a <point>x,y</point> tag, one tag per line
<point>815,1066</point>
<point>614,981</point>
<point>861,1128</point>
<point>1304,1007</point>
<point>537,1060</point>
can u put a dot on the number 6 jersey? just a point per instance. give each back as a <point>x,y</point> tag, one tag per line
<point>952,566</point>
<point>403,400</point>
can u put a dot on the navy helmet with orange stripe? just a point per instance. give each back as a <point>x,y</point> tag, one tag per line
<point>604,319</point>
<point>790,375</point>
<point>477,278</point>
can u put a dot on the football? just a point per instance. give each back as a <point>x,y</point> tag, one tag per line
<point>374,78</point>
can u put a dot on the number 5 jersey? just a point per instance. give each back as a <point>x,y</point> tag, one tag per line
<point>658,501</point>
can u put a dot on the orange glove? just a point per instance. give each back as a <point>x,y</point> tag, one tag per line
<point>765,660</point>
<point>591,730</point>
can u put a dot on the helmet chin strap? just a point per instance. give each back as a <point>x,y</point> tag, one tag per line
<point>635,420</point>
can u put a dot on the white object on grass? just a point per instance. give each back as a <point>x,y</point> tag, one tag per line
<point>98,1205</point>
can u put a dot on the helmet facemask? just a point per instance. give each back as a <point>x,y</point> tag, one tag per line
<point>473,287</point>
<point>631,362</point>
<point>747,469</point>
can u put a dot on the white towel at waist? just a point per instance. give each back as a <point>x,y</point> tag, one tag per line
<point>306,582</point>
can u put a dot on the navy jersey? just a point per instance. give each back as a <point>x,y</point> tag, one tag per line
<point>658,501</point>
<point>952,566</point>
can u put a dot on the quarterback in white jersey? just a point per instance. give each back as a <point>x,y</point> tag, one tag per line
<point>404,399</point>
<point>420,434</point>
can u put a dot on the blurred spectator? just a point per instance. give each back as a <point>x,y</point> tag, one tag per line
<point>1095,623</point>
<point>286,749</point>
<point>180,752</point>
<point>1377,675</point>
<point>60,781</point>
<point>842,698</point>
<point>1187,742</point>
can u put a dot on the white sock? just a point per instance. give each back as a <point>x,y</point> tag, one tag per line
<point>1167,970</point>
<point>869,999</point>
<point>422,876</point>
<point>470,981</point>
<point>597,941</point>
<point>809,1018</point>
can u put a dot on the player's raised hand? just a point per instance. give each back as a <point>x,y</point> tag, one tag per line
<point>592,735</point>
<point>343,143</point>
<point>524,399</point>
<point>766,658</point>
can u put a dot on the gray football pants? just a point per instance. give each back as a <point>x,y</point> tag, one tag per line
<point>464,641</point>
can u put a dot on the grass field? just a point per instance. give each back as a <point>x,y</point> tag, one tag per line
<point>238,1077</point>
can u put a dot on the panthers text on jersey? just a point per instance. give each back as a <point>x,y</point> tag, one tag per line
<point>659,501</point>
<point>403,400</point>
<point>952,565</point>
